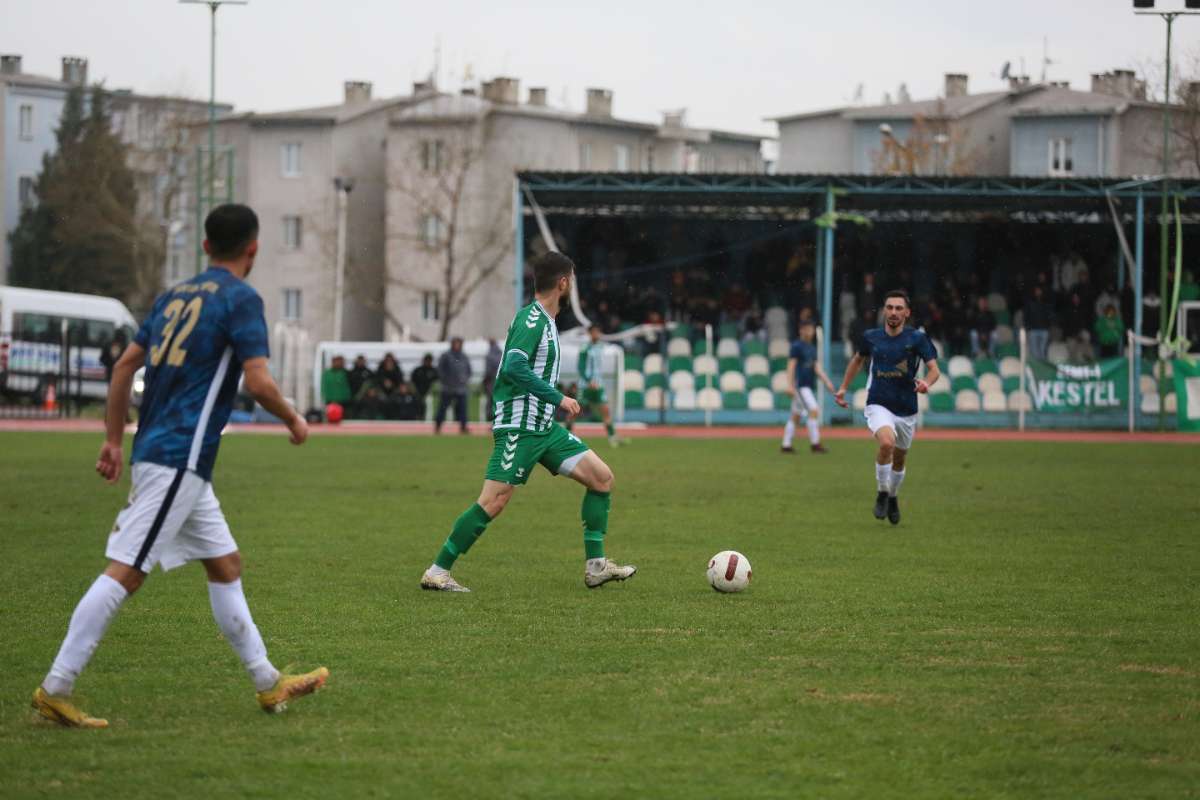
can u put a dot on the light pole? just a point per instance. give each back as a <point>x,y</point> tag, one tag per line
<point>343,186</point>
<point>1164,223</point>
<point>213,5</point>
<point>941,140</point>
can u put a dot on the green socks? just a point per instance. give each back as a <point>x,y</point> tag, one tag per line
<point>595,522</point>
<point>611,430</point>
<point>467,528</point>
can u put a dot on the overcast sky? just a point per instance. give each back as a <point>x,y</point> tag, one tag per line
<point>729,63</point>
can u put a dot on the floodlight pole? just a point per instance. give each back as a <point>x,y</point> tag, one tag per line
<point>343,186</point>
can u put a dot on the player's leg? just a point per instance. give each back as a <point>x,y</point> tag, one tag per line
<point>789,428</point>
<point>573,459</point>
<point>812,415</point>
<point>469,526</point>
<point>606,416</point>
<point>440,415</point>
<point>882,424</point>
<point>905,428</point>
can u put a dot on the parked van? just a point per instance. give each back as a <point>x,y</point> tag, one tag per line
<point>37,327</point>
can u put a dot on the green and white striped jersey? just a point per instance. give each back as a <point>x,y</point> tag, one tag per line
<point>590,359</point>
<point>533,333</point>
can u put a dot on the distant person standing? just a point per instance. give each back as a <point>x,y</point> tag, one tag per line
<point>1038,317</point>
<point>491,366</point>
<point>423,379</point>
<point>112,354</point>
<point>591,357</point>
<point>804,368</point>
<point>454,373</point>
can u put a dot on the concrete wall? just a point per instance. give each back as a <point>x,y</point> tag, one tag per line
<point>360,153</point>
<point>1140,145</point>
<point>1030,144</point>
<point>23,157</point>
<point>816,145</point>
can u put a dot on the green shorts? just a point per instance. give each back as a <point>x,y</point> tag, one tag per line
<point>594,397</point>
<point>517,452</point>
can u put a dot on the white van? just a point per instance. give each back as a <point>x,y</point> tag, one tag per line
<point>35,323</point>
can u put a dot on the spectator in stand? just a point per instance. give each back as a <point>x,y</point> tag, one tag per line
<point>1076,327</point>
<point>424,376</point>
<point>1039,316</point>
<point>868,297</point>
<point>933,320</point>
<point>491,367</point>
<point>864,323</point>
<point>389,377</point>
<point>807,298</point>
<point>335,384</point>
<point>1087,292</point>
<point>454,373</point>
<point>359,376</point>
<point>1110,330</point>
<point>957,325</point>
<point>735,302</point>
<point>369,402</point>
<point>982,328</point>
<point>753,329</point>
<point>406,404</point>
<point>1109,297</point>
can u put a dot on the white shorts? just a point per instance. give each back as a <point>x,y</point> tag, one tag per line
<point>804,401</point>
<point>905,427</point>
<point>172,517</point>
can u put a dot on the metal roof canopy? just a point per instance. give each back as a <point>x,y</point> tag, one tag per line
<point>1023,199</point>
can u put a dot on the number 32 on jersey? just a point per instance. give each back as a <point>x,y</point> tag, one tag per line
<point>178,312</point>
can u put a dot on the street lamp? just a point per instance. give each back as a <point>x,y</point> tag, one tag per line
<point>343,187</point>
<point>941,140</point>
<point>1164,224</point>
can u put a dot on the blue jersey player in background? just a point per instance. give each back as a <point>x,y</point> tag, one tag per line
<point>804,368</point>
<point>893,354</point>
<point>199,339</point>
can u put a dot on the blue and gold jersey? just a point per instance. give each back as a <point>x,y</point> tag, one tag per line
<point>196,340</point>
<point>806,362</point>
<point>892,376</point>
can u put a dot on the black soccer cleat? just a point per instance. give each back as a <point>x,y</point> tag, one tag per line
<point>881,505</point>
<point>893,510</point>
<point>789,449</point>
<point>818,448</point>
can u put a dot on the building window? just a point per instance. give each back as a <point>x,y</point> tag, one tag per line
<point>433,155</point>
<point>26,122</point>
<point>1061,162</point>
<point>621,157</point>
<point>432,230</point>
<point>291,304</point>
<point>26,195</point>
<point>292,233</point>
<point>431,307</point>
<point>290,159</point>
<point>585,156</point>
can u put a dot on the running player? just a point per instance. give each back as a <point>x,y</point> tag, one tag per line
<point>526,435</point>
<point>804,367</point>
<point>594,396</point>
<point>199,338</point>
<point>893,353</point>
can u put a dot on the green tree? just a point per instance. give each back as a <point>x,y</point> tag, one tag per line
<point>83,235</point>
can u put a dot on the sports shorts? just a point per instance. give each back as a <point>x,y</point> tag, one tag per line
<point>172,517</point>
<point>516,453</point>
<point>804,401</point>
<point>904,427</point>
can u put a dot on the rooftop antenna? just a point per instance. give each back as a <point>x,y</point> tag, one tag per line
<point>1046,61</point>
<point>436,76</point>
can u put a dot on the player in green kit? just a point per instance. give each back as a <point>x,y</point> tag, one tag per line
<point>526,435</point>
<point>594,397</point>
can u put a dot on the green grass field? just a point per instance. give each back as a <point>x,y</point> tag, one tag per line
<point>1031,629</point>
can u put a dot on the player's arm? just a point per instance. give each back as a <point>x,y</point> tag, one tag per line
<point>792,376</point>
<point>852,369</point>
<point>821,374</point>
<point>932,373</point>
<point>262,388</point>
<point>108,465</point>
<point>516,368</point>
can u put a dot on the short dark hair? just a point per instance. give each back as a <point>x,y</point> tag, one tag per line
<point>548,268</point>
<point>903,295</point>
<point>230,229</point>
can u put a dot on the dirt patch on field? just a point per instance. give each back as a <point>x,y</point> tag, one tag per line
<point>1158,669</point>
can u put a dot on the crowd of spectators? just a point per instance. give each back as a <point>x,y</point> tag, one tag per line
<point>382,393</point>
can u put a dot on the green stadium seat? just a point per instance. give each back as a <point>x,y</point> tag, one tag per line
<point>783,401</point>
<point>963,382</point>
<point>700,347</point>
<point>729,364</point>
<point>941,402</point>
<point>734,401</point>
<point>859,382</point>
<point>677,363</point>
<point>778,364</point>
<point>635,400</point>
<point>1011,384</point>
<point>1010,349</point>
<point>1003,317</point>
<point>682,331</point>
<point>633,361</point>
<point>754,348</point>
<point>758,382</point>
<point>656,379</point>
<point>727,330</point>
<point>706,381</point>
<point>985,365</point>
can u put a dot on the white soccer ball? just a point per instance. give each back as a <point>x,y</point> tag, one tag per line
<point>729,571</point>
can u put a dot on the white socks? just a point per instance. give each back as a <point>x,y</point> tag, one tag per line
<point>435,570</point>
<point>814,431</point>
<point>95,611</point>
<point>789,431</point>
<point>233,617</point>
<point>897,479</point>
<point>595,565</point>
<point>883,477</point>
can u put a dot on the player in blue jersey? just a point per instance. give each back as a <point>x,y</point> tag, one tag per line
<point>201,336</point>
<point>804,368</point>
<point>893,354</point>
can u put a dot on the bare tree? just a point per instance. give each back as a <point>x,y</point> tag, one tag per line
<point>1185,116</point>
<point>934,146</point>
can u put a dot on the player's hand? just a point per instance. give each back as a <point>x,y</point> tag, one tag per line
<point>922,386</point>
<point>108,465</point>
<point>839,397</point>
<point>571,406</point>
<point>793,391</point>
<point>298,427</point>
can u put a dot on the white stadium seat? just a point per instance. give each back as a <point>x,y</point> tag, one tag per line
<point>1150,403</point>
<point>997,302</point>
<point>653,364</point>
<point>779,348</point>
<point>1020,401</point>
<point>1147,384</point>
<point>681,380</point>
<point>708,399</point>
<point>1004,334</point>
<point>728,348</point>
<point>941,387</point>
<point>733,382</point>
<point>922,403</point>
<point>654,398</point>
<point>860,400</point>
<point>761,399</point>
<point>679,347</point>
<point>995,401</point>
<point>967,400</point>
<point>990,383</point>
<point>705,365</point>
<point>776,316</point>
<point>634,380</point>
<point>684,400</point>
<point>779,382</point>
<point>1010,367</point>
<point>1057,353</point>
<point>1172,403</point>
<point>757,365</point>
<point>960,365</point>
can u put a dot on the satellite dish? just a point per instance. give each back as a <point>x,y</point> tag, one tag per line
<point>1006,70</point>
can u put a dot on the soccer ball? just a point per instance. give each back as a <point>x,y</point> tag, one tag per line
<point>729,571</point>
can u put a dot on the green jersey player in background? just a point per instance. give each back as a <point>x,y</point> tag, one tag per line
<point>525,435</point>
<point>591,356</point>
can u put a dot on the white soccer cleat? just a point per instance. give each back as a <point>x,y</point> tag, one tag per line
<point>612,571</point>
<point>441,583</point>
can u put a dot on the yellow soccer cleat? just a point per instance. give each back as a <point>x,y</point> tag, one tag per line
<point>274,700</point>
<point>63,711</point>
